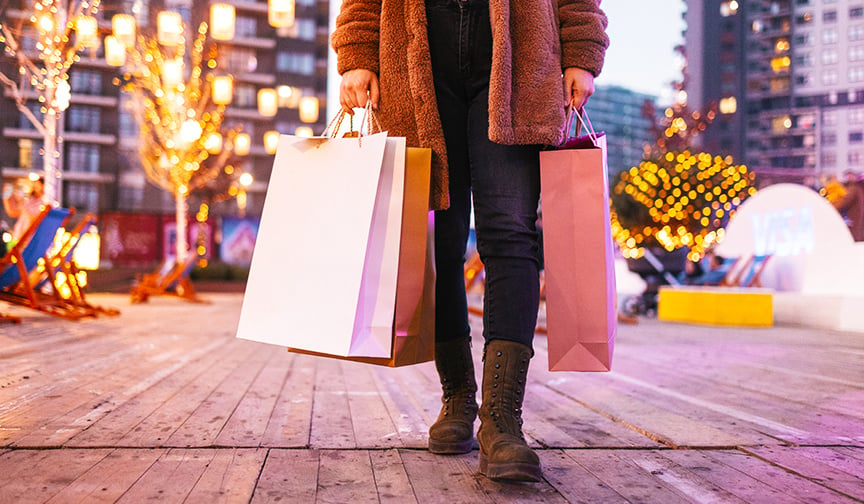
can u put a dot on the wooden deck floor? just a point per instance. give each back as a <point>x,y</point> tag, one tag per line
<point>164,404</point>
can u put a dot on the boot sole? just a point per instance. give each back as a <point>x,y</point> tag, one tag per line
<point>510,471</point>
<point>452,447</point>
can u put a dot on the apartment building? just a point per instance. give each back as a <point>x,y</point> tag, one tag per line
<point>101,171</point>
<point>617,111</point>
<point>789,78</point>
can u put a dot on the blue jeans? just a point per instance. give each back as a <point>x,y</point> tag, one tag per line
<point>504,181</point>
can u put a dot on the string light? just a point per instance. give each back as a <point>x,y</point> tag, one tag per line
<point>677,198</point>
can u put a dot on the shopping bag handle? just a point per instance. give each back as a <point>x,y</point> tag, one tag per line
<point>581,116</point>
<point>369,123</point>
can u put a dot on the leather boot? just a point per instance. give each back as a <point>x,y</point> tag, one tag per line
<point>453,432</point>
<point>504,454</point>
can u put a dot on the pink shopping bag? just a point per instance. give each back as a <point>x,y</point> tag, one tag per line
<point>581,312</point>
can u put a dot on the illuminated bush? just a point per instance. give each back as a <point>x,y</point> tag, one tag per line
<point>679,200</point>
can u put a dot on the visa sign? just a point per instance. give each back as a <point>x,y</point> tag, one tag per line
<point>784,232</point>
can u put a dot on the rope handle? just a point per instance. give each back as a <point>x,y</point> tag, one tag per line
<point>581,116</point>
<point>369,124</point>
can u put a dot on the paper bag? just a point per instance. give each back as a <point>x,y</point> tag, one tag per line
<point>581,313</point>
<point>304,286</point>
<point>325,268</point>
<point>414,325</point>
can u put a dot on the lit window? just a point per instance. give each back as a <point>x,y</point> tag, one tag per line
<point>729,8</point>
<point>728,105</point>
<point>781,64</point>
<point>781,124</point>
<point>781,46</point>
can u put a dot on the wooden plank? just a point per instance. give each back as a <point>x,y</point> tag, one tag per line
<point>404,405</point>
<point>373,427</point>
<point>331,416</point>
<point>651,414</point>
<point>15,462</point>
<point>158,426</point>
<point>249,419</point>
<point>690,484</point>
<point>114,392</point>
<point>346,476</point>
<point>109,479</point>
<point>821,465</point>
<point>441,479</point>
<point>711,467</point>
<point>776,477</point>
<point>171,478</point>
<point>42,402</point>
<point>558,421</point>
<point>777,416</point>
<point>209,417</point>
<point>291,420</point>
<point>574,482</point>
<point>391,480</point>
<point>51,474</point>
<point>855,453</point>
<point>748,372</point>
<point>617,470</point>
<point>230,477</point>
<point>111,428</point>
<point>288,476</point>
<point>78,372</point>
<point>505,492</point>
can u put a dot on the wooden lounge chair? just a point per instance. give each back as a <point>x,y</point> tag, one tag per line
<point>62,274</point>
<point>172,278</point>
<point>20,267</point>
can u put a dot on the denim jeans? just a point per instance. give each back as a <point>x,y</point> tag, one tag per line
<point>504,181</point>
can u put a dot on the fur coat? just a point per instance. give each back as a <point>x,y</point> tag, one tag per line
<point>533,41</point>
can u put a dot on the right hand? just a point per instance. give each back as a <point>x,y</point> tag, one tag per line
<point>358,87</point>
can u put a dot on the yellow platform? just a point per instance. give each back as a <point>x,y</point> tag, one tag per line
<point>727,306</point>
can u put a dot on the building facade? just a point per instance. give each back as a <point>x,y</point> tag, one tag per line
<point>789,78</point>
<point>617,111</point>
<point>99,159</point>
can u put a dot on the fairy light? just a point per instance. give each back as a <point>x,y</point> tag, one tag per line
<point>179,102</point>
<point>677,197</point>
<point>63,29</point>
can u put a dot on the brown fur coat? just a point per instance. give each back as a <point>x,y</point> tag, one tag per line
<point>533,41</point>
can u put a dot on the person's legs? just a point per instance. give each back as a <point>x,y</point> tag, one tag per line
<point>453,431</point>
<point>505,182</point>
<point>506,188</point>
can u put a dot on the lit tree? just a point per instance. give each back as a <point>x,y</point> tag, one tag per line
<point>61,29</point>
<point>183,146</point>
<point>677,197</point>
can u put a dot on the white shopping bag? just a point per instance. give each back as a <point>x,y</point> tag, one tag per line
<point>323,273</point>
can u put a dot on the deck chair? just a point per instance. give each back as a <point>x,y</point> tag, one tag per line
<point>473,271</point>
<point>62,274</point>
<point>19,269</point>
<point>750,274</point>
<point>172,278</point>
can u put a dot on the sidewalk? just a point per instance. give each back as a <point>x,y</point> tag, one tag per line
<point>163,403</point>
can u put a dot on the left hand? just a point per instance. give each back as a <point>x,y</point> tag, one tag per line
<point>578,86</point>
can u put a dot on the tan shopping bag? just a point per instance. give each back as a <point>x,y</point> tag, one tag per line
<point>581,313</point>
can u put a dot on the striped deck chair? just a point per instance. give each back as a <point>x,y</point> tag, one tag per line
<point>172,279</point>
<point>19,269</point>
<point>61,272</point>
